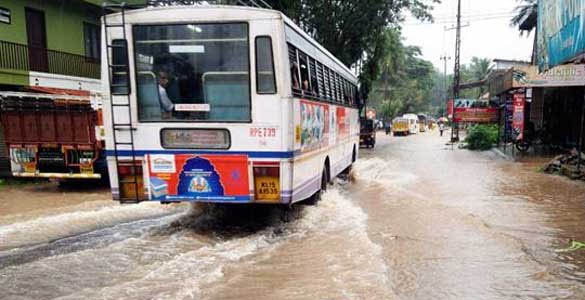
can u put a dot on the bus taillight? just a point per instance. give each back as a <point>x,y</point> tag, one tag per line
<point>267,183</point>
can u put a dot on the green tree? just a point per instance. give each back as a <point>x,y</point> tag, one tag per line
<point>526,11</point>
<point>405,82</point>
<point>478,70</point>
<point>354,30</point>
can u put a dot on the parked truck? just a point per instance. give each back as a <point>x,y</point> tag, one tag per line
<point>54,135</point>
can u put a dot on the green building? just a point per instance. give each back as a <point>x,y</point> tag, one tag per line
<point>42,39</point>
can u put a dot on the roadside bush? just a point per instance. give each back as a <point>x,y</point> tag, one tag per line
<point>482,137</point>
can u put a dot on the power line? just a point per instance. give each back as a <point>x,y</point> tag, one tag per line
<point>469,20</point>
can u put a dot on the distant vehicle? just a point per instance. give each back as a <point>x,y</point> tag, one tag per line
<point>54,136</point>
<point>220,104</point>
<point>400,126</point>
<point>367,133</point>
<point>422,122</point>
<point>413,127</point>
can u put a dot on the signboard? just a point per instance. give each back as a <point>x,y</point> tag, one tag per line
<point>195,138</point>
<point>190,177</point>
<point>518,116</point>
<point>526,76</point>
<point>561,35</point>
<point>450,109</point>
<point>565,75</point>
<point>475,111</point>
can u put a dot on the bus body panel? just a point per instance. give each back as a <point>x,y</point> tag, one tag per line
<point>270,139</point>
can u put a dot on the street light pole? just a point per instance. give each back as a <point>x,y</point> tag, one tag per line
<point>456,74</point>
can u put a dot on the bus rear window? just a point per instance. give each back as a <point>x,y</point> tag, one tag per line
<point>193,72</point>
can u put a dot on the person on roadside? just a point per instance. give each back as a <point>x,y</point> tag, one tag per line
<point>441,128</point>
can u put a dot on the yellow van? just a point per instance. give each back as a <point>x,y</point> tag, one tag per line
<point>400,126</point>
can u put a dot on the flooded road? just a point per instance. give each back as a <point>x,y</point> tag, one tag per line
<point>420,221</point>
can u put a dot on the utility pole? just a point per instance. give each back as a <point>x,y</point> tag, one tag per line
<point>456,75</point>
<point>444,58</point>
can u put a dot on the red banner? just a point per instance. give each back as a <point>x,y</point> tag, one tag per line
<point>476,115</point>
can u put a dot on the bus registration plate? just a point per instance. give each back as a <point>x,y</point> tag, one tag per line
<point>267,188</point>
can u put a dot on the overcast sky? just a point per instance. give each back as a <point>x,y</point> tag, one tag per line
<point>488,35</point>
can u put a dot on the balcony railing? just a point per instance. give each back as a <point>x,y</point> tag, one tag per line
<point>26,58</point>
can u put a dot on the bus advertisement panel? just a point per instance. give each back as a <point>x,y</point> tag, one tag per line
<point>176,177</point>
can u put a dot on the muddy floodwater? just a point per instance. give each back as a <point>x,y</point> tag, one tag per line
<point>419,220</point>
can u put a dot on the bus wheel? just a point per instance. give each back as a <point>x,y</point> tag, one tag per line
<point>317,196</point>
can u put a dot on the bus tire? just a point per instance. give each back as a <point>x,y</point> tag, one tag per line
<point>353,155</point>
<point>324,182</point>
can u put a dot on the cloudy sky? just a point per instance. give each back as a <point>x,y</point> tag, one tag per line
<point>488,34</point>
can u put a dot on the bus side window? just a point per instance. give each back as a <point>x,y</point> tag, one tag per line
<point>319,76</point>
<point>326,83</point>
<point>120,81</point>
<point>333,86</point>
<point>294,70</point>
<point>304,67</point>
<point>265,80</point>
<point>313,73</point>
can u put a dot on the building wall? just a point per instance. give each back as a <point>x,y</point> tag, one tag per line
<point>63,21</point>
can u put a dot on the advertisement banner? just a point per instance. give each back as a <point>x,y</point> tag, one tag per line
<point>475,111</point>
<point>190,177</point>
<point>565,75</point>
<point>518,117</point>
<point>560,32</point>
<point>314,125</point>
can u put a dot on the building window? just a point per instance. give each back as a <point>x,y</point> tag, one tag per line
<point>4,15</point>
<point>91,37</point>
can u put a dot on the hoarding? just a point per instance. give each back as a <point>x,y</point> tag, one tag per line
<point>518,116</point>
<point>475,111</point>
<point>561,35</point>
<point>565,75</point>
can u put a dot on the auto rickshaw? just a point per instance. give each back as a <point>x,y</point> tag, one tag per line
<point>367,133</point>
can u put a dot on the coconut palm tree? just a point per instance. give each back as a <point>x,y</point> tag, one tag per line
<point>526,18</point>
<point>479,69</point>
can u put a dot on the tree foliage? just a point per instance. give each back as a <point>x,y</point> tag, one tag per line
<point>354,30</point>
<point>405,81</point>
<point>527,10</point>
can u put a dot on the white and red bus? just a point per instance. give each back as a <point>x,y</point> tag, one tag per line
<point>225,104</point>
